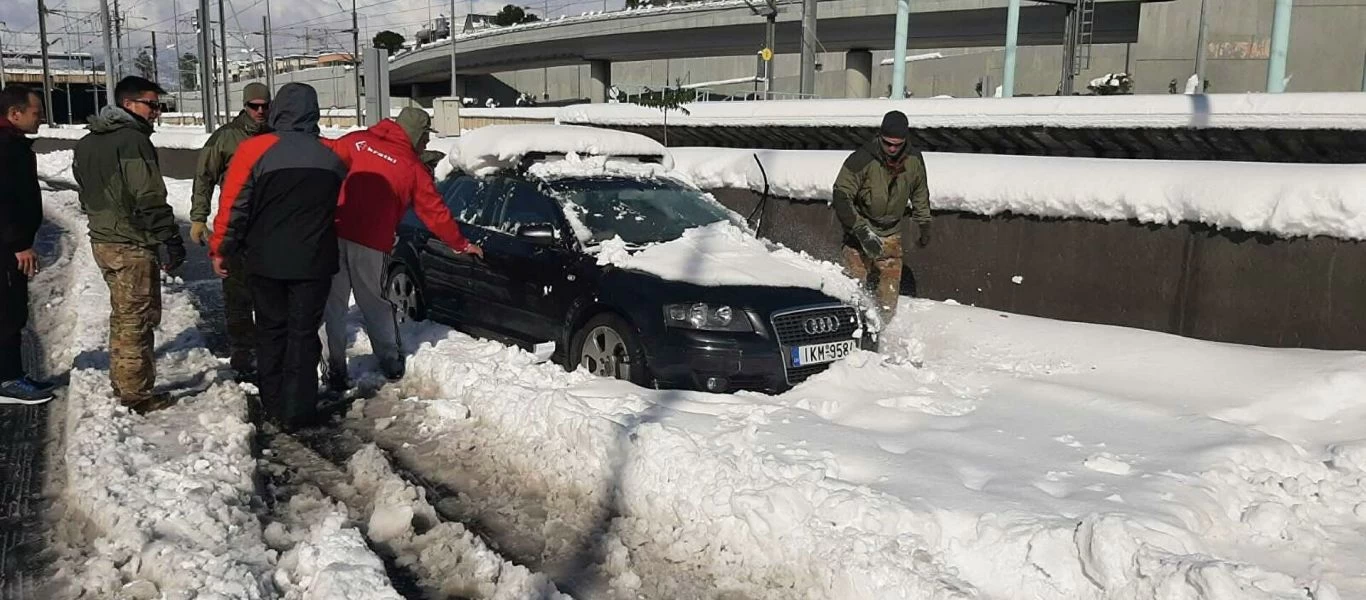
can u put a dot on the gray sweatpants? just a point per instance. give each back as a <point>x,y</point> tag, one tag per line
<point>361,274</point>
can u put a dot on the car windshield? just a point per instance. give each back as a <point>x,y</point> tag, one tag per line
<point>639,211</point>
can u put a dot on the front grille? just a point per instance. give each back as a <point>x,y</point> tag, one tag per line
<point>791,329</point>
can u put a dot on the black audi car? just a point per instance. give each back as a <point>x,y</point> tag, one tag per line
<point>540,282</point>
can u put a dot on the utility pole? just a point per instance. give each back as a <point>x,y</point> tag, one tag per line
<point>156,66</point>
<point>808,78</point>
<point>455,89</point>
<point>270,54</point>
<point>2,55</point>
<point>1012,49</point>
<point>205,67</point>
<point>108,52</point>
<point>47,71</point>
<point>770,38</point>
<point>903,26</point>
<point>179,75</point>
<point>1201,35</point>
<point>118,42</point>
<point>1280,47</point>
<point>355,57</point>
<point>223,39</point>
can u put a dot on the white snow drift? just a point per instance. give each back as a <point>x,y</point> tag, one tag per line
<point>1281,199</point>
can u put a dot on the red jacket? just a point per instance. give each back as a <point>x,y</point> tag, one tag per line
<point>386,177</point>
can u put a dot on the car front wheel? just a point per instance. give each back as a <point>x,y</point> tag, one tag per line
<point>403,293</point>
<point>606,346</point>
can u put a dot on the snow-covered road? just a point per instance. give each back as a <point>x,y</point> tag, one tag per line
<point>982,455</point>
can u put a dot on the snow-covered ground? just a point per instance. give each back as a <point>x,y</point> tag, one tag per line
<point>1282,199</point>
<point>1232,111</point>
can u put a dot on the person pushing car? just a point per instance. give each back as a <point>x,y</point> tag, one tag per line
<point>877,187</point>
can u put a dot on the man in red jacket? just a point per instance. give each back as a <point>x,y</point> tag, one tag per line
<point>387,175</point>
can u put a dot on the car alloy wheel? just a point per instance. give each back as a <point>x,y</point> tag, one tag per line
<point>605,353</point>
<point>403,295</point>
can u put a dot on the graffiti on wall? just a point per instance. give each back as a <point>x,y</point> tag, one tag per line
<point>1256,49</point>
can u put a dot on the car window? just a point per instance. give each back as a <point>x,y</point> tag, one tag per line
<point>524,204</point>
<point>464,199</point>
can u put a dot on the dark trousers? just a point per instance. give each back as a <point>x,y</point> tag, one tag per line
<point>288,314</point>
<point>13,317</point>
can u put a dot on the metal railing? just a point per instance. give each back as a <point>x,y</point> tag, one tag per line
<point>627,94</point>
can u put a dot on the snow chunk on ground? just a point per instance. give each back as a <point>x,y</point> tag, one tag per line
<point>1281,199</point>
<point>724,254</point>
<point>335,562</point>
<point>489,149</point>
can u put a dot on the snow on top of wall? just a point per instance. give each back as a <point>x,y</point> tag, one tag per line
<point>1281,199</point>
<point>1234,111</point>
<point>547,113</point>
<point>489,149</point>
<point>724,254</point>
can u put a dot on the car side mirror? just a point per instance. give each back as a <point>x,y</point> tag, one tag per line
<point>539,234</point>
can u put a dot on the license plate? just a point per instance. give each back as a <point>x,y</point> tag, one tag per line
<point>819,354</point>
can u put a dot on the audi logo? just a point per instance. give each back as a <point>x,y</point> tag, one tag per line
<point>817,325</point>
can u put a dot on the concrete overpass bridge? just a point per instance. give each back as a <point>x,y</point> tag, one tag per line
<point>731,28</point>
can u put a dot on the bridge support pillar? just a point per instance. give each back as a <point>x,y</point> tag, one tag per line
<point>600,79</point>
<point>858,74</point>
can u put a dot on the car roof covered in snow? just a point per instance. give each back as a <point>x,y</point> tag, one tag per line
<point>488,150</point>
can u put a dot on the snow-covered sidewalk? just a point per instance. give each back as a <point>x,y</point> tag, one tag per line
<point>984,455</point>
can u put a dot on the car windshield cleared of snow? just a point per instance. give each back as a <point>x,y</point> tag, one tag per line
<point>639,211</point>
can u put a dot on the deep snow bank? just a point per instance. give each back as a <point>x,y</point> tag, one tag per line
<point>1281,199</point>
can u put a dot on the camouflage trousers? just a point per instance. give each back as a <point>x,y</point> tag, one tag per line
<point>881,276</point>
<point>240,316</point>
<point>133,274</point>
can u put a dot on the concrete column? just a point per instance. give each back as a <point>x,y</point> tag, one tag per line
<point>415,91</point>
<point>858,74</point>
<point>600,77</point>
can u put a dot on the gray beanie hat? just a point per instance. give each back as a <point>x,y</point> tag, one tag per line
<point>255,92</point>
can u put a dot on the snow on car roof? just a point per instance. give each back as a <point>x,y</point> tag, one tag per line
<point>490,149</point>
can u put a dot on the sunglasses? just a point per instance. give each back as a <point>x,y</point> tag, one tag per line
<point>258,106</point>
<point>153,104</point>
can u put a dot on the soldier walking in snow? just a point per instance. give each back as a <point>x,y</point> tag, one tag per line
<point>124,198</point>
<point>21,212</point>
<point>877,187</point>
<point>213,165</point>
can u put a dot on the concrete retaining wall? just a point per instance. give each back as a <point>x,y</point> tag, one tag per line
<point>1186,279</point>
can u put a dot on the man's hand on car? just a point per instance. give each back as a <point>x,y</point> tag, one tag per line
<point>200,232</point>
<point>474,250</point>
<point>175,254</point>
<point>869,241</point>
<point>27,262</point>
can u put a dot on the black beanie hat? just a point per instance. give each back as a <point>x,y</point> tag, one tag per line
<point>895,125</point>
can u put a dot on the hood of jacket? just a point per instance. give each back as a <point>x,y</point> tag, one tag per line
<point>295,109</point>
<point>390,132</point>
<point>114,118</point>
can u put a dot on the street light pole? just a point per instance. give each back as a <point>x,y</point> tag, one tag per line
<point>1012,49</point>
<point>1201,35</point>
<point>108,53</point>
<point>455,90</point>
<point>1280,46</point>
<point>223,41</point>
<point>355,58</point>
<point>47,71</point>
<point>903,18</point>
<point>808,74</point>
<point>2,54</point>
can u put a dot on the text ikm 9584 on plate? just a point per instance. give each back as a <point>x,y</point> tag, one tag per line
<point>819,354</point>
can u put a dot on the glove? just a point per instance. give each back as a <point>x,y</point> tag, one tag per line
<point>869,241</point>
<point>199,233</point>
<point>924,235</point>
<point>175,254</point>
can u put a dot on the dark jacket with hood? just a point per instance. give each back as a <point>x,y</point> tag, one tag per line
<point>122,192</point>
<point>21,201</point>
<point>879,190</point>
<point>213,161</point>
<point>280,195</point>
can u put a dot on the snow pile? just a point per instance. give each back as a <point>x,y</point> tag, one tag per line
<point>1214,111</point>
<point>724,254</point>
<point>538,113</point>
<point>55,169</point>
<point>573,166</point>
<point>487,150</point>
<point>335,562</point>
<point>1282,199</point>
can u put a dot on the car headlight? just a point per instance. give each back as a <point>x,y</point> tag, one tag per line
<point>706,317</point>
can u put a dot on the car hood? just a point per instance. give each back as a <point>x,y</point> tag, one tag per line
<point>723,255</point>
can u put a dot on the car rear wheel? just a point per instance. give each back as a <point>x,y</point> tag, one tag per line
<point>403,293</point>
<point>607,346</point>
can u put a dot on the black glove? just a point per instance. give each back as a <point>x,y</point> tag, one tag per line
<point>175,254</point>
<point>924,235</point>
<point>869,241</point>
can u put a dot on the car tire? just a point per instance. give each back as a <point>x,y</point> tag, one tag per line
<point>402,290</point>
<point>607,346</point>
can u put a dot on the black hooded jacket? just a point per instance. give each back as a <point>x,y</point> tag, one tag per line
<point>280,195</point>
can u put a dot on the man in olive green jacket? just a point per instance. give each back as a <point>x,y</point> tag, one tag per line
<point>876,188</point>
<point>213,164</point>
<point>124,199</point>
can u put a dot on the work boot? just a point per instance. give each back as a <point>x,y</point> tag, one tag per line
<point>149,403</point>
<point>243,366</point>
<point>393,368</point>
<point>337,381</point>
<point>23,391</point>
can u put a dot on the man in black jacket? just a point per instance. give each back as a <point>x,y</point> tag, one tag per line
<point>276,218</point>
<point>21,212</point>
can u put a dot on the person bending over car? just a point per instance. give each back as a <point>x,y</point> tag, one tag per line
<point>387,176</point>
